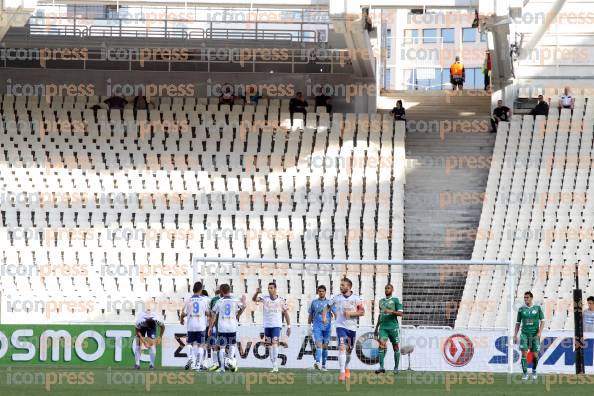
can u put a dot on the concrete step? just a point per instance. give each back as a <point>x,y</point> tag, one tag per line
<point>442,169</point>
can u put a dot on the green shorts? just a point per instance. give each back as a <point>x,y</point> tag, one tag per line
<point>529,342</point>
<point>389,334</point>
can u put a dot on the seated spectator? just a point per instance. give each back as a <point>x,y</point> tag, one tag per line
<point>399,112</point>
<point>323,100</point>
<point>566,101</point>
<point>255,97</point>
<point>297,105</point>
<point>227,97</point>
<point>500,113</point>
<point>116,102</point>
<point>541,108</point>
<point>140,103</point>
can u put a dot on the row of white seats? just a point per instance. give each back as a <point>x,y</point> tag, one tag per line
<point>368,224</point>
<point>534,157</point>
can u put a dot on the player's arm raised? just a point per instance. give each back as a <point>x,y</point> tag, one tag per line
<point>243,305</point>
<point>255,296</point>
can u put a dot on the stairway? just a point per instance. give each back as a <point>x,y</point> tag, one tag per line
<point>446,178</point>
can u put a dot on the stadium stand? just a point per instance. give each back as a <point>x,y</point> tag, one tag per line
<point>126,193</point>
<point>538,214</point>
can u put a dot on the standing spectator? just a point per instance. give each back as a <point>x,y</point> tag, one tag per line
<point>566,101</point>
<point>297,105</point>
<point>399,112</point>
<point>457,74</point>
<point>116,102</point>
<point>541,108</point>
<point>589,316</point>
<point>323,100</point>
<point>501,113</point>
<point>487,70</point>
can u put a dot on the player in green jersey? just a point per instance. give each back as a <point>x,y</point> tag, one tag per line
<point>531,320</point>
<point>390,308</point>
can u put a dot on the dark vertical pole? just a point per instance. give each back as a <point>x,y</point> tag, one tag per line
<point>579,325</point>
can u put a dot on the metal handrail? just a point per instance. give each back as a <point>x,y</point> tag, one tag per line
<point>175,32</point>
<point>89,25</point>
<point>335,59</point>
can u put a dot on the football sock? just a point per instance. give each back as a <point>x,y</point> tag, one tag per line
<point>153,354</point>
<point>318,354</point>
<point>348,359</point>
<point>231,353</point>
<point>524,365</point>
<point>222,357</point>
<point>324,356</point>
<point>382,357</point>
<point>274,354</point>
<point>215,356</point>
<point>342,360</point>
<point>396,359</point>
<point>137,351</point>
<point>534,362</point>
<point>199,356</point>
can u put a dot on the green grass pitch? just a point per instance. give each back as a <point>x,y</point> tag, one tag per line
<point>36,380</point>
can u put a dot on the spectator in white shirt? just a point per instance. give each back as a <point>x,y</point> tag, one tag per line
<point>566,101</point>
<point>589,316</point>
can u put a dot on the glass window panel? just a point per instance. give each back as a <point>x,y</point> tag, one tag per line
<point>448,35</point>
<point>469,35</point>
<point>429,36</point>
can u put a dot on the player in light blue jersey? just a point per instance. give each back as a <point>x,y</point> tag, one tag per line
<point>321,331</point>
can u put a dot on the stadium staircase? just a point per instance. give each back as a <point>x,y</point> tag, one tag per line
<point>443,194</point>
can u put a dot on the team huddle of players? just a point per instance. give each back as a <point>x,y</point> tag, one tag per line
<point>213,323</point>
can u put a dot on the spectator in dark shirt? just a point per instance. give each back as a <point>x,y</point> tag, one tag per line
<point>227,95</point>
<point>542,108</point>
<point>324,101</point>
<point>398,112</point>
<point>500,113</point>
<point>140,103</point>
<point>297,105</point>
<point>116,102</point>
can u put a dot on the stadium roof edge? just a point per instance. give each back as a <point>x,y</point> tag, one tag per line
<point>317,4</point>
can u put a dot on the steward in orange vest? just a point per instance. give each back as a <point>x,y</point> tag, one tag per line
<point>457,74</point>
